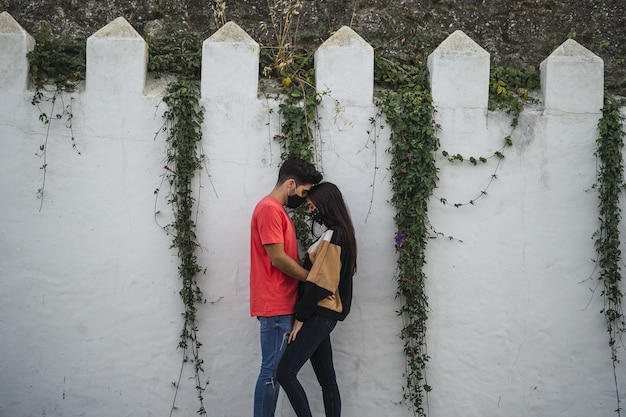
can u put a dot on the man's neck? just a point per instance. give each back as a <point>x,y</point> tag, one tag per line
<point>278,194</point>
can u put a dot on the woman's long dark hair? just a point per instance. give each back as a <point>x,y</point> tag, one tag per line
<point>329,201</point>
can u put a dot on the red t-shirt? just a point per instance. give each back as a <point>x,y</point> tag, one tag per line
<point>272,293</point>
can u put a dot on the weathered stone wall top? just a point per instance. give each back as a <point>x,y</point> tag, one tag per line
<point>517,34</point>
<point>459,67</point>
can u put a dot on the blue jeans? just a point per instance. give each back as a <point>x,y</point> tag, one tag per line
<point>273,343</point>
<point>312,342</point>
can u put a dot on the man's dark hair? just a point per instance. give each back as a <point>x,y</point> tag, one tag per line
<point>300,170</point>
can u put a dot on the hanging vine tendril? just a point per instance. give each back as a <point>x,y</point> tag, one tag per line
<point>610,186</point>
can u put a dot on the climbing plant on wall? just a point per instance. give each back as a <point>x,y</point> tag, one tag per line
<point>180,54</point>
<point>407,106</point>
<point>184,118</point>
<point>298,112</point>
<point>611,187</point>
<point>55,68</point>
<point>299,98</point>
<point>509,91</point>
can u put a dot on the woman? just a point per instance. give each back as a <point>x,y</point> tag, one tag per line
<point>324,299</point>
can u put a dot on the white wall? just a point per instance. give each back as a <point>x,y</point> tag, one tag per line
<point>89,310</point>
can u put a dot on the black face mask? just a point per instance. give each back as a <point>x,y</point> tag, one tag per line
<point>295,201</point>
<point>316,216</point>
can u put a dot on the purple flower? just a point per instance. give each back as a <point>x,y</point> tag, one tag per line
<point>432,122</point>
<point>400,239</point>
<point>403,170</point>
<point>409,155</point>
<point>404,279</point>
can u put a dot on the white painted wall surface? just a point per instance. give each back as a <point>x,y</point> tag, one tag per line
<point>89,308</point>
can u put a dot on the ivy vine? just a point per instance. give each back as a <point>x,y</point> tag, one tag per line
<point>408,109</point>
<point>55,69</point>
<point>181,54</point>
<point>610,186</point>
<point>184,119</point>
<point>509,91</point>
<point>299,99</point>
<point>510,88</point>
<point>407,105</point>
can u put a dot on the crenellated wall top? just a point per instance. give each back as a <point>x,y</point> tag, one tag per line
<point>459,67</point>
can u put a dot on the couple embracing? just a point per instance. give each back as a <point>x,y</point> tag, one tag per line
<point>298,305</point>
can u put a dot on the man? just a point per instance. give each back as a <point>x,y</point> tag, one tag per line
<point>274,272</point>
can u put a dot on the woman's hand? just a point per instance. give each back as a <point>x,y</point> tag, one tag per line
<point>297,325</point>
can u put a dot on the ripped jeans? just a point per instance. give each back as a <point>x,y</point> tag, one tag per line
<point>273,343</point>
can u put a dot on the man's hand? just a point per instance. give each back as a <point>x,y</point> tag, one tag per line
<point>297,325</point>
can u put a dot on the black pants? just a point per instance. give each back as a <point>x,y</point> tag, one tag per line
<point>313,342</point>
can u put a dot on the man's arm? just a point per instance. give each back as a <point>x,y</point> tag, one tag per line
<point>284,262</point>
